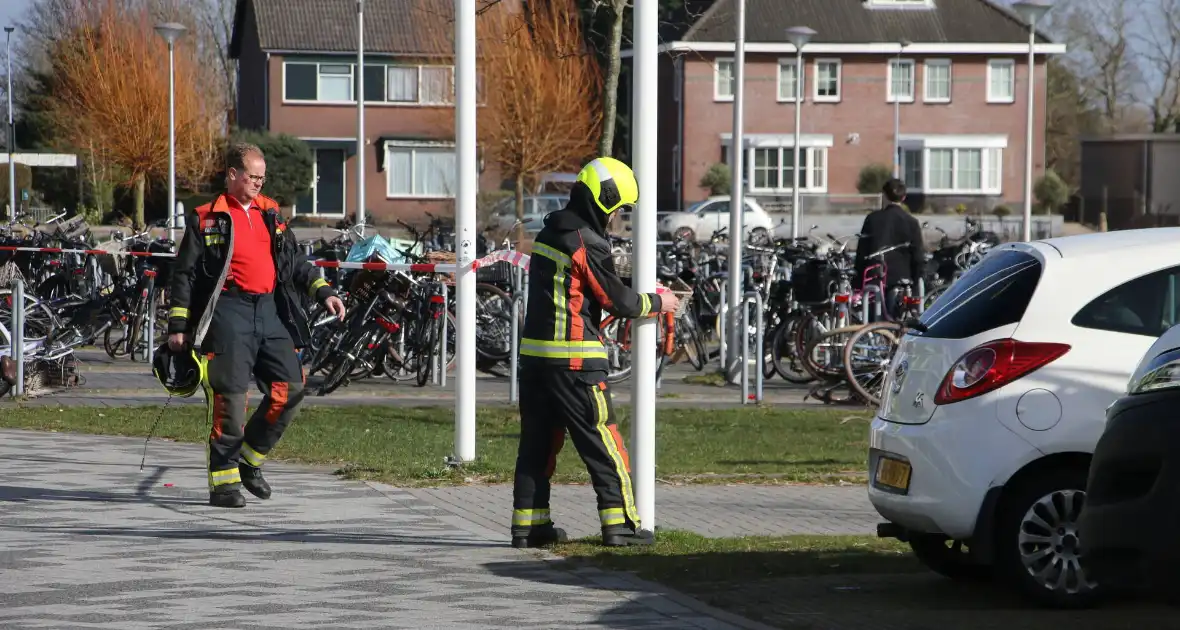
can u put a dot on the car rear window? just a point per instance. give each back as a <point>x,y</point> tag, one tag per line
<point>991,294</point>
<point>1147,306</point>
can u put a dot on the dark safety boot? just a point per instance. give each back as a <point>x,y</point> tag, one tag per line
<point>540,536</point>
<point>227,499</point>
<point>252,480</point>
<point>626,537</point>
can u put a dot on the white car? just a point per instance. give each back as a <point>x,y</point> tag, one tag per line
<point>702,219</point>
<point>992,408</point>
<point>535,208</point>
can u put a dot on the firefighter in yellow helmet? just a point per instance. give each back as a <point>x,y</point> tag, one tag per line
<point>563,361</point>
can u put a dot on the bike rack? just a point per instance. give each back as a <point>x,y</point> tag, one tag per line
<point>878,300</point>
<point>722,326</point>
<point>151,324</point>
<point>756,298</point>
<point>521,281</point>
<point>18,334</point>
<point>440,376</point>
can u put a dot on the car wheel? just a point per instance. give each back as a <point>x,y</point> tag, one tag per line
<point>948,558</point>
<point>1037,540</point>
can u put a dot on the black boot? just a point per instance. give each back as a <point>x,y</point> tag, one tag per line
<point>540,536</point>
<point>626,537</point>
<point>227,499</point>
<point>252,480</point>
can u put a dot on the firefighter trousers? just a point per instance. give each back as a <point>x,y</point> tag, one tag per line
<point>553,402</point>
<point>246,338</point>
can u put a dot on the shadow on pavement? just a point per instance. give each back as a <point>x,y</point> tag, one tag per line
<point>826,591</point>
<point>260,534</point>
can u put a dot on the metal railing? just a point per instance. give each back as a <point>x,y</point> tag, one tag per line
<point>755,298</point>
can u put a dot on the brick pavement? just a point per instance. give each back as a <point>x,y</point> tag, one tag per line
<point>709,510</point>
<point>88,540</point>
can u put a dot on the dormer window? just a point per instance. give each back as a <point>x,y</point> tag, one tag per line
<point>899,4</point>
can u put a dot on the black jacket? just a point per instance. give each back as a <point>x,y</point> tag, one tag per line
<point>202,265</point>
<point>887,227</point>
<point>572,279</point>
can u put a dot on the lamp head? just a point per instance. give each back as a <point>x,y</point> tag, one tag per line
<point>905,43</point>
<point>171,31</point>
<point>1032,10</point>
<point>799,36</point>
<point>9,29</point>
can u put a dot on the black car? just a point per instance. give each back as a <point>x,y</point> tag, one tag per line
<point>1131,520</point>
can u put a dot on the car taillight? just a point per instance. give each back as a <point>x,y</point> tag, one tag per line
<point>994,365</point>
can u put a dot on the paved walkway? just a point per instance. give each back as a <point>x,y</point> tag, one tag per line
<point>88,540</point>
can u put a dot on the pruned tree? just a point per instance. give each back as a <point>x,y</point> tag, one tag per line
<point>544,114</point>
<point>110,91</point>
<point>1068,117</point>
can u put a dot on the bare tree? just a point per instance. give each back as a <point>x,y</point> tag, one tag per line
<point>1159,41</point>
<point>1099,35</point>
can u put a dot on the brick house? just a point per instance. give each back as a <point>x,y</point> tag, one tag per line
<point>296,75</point>
<point>959,86</point>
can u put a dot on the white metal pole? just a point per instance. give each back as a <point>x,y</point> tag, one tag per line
<point>645,162</point>
<point>465,228</point>
<point>1028,140</point>
<point>737,148</point>
<point>796,211</point>
<point>11,133</point>
<point>896,118</point>
<point>360,115</point>
<point>171,141</point>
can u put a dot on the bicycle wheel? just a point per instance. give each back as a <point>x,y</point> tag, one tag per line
<point>786,360</point>
<point>867,356</point>
<point>343,364</point>
<point>825,353</point>
<point>425,349</point>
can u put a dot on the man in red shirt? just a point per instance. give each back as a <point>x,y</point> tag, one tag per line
<point>236,297</point>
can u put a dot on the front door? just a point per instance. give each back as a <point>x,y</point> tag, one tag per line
<point>329,181</point>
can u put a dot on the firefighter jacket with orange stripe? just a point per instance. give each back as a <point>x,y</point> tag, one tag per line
<point>572,280</point>
<point>203,262</point>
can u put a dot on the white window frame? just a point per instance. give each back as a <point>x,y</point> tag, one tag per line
<point>800,81</point>
<point>950,80</point>
<point>717,95</point>
<point>839,81</point>
<point>414,147</point>
<point>904,4</point>
<point>991,165</point>
<point>809,183</point>
<point>385,102</point>
<point>315,180</point>
<point>890,97</point>
<point>992,64</point>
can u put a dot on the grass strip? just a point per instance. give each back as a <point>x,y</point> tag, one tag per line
<point>408,446</point>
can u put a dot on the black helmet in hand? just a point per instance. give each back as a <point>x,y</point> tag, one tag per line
<point>181,373</point>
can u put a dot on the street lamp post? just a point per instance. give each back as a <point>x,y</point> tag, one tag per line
<point>798,36</point>
<point>11,129</point>
<point>1031,11</point>
<point>171,31</point>
<point>737,198</point>
<point>902,45</point>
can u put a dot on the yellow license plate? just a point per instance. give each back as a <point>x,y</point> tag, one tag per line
<point>893,473</point>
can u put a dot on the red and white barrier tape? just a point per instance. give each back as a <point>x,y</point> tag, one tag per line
<point>59,250</point>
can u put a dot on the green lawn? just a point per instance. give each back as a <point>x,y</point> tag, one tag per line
<point>691,562</point>
<point>408,445</point>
